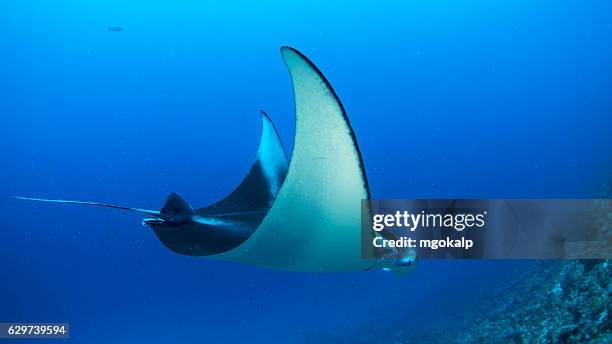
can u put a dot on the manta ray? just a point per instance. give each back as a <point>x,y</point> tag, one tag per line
<point>298,215</point>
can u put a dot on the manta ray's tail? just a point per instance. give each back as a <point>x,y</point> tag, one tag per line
<point>175,210</point>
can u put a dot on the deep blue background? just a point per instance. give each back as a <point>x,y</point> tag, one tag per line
<point>479,99</point>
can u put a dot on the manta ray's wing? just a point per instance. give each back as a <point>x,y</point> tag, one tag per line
<point>314,224</point>
<point>228,223</point>
<point>259,188</point>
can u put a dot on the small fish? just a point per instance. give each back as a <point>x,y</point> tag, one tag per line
<point>115,28</point>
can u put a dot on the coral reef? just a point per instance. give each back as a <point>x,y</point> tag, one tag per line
<point>550,302</point>
<point>565,302</point>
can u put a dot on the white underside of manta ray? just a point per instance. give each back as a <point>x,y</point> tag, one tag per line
<point>300,216</point>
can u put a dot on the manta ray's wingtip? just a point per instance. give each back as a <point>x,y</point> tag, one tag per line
<point>267,121</point>
<point>285,48</point>
<point>288,52</point>
<point>264,114</point>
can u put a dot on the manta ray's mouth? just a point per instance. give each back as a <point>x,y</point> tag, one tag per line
<point>153,221</point>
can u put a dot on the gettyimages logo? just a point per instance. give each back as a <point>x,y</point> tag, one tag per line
<point>412,221</point>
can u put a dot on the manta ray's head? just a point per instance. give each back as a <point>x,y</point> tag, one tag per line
<point>175,211</point>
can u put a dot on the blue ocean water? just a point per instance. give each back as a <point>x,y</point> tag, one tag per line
<point>480,99</point>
